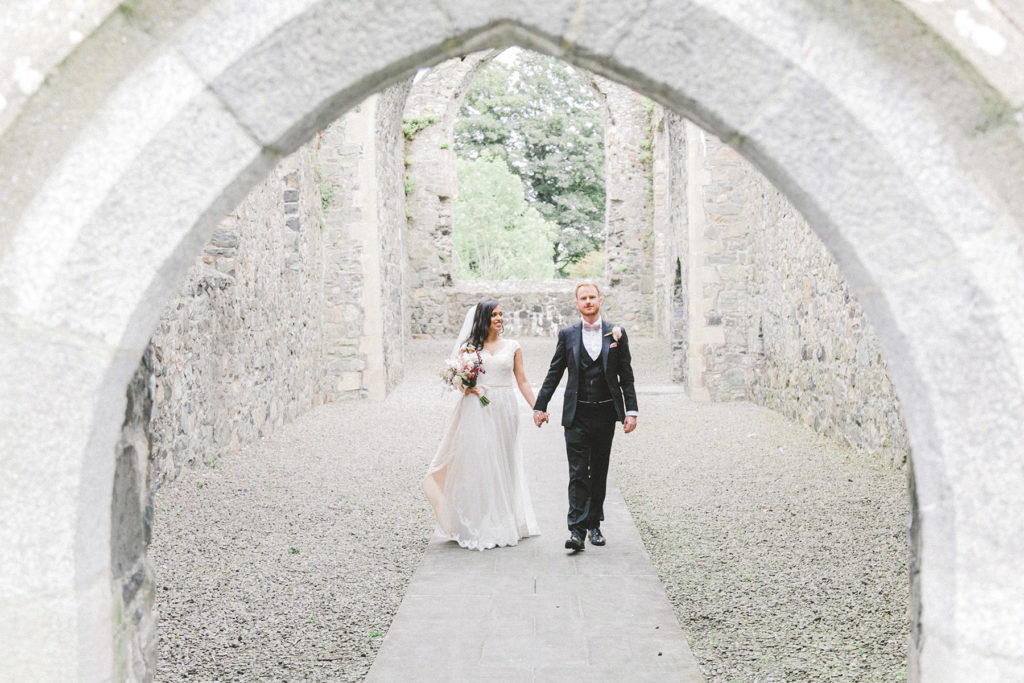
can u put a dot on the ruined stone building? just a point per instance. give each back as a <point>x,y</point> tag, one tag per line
<point>207,232</point>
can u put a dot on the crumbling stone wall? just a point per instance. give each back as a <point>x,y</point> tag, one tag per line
<point>671,254</point>
<point>236,355</point>
<point>360,167</point>
<point>237,352</point>
<point>437,302</point>
<point>720,223</point>
<point>629,212</point>
<point>430,186</point>
<point>295,300</point>
<point>769,316</point>
<point>390,150</point>
<point>817,359</point>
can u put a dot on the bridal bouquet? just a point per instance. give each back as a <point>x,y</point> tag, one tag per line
<point>461,372</point>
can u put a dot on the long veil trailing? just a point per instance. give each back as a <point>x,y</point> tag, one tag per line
<point>433,484</point>
<point>463,336</point>
<point>476,482</point>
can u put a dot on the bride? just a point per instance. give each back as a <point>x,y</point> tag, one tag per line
<point>477,482</point>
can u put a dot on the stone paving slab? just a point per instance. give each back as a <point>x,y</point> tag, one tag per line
<point>536,612</point>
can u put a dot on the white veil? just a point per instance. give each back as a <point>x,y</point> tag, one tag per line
<point>467,327</point>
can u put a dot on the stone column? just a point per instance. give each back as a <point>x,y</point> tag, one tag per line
<point>363,237</point>
<point>430,187</point>
<point>629,210</point>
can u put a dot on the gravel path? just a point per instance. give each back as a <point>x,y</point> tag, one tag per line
<point>783,554</point>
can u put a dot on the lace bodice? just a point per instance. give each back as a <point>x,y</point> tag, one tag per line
<point>498,366</point>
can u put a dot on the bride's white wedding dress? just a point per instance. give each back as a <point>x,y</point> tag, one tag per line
<point>477,481</point>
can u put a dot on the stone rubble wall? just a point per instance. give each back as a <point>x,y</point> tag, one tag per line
<point>391,211</point>
<point>431,186</point>
<point>671,254</point>
<point>769,317</point>
<point>237,353</point>
<point>339,156</point>
<point>817,358</point>
<point>269,322</point>
<point>536,308</point>
<point>437,302</point>
<point>628,282</point>
<point>720,225</point>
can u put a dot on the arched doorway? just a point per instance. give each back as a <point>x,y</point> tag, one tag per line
<point>905,161</point>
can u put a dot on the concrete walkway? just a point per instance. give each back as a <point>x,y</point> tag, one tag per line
<point>535,612</point>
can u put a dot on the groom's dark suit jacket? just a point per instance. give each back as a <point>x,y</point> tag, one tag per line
<point>616,364</point>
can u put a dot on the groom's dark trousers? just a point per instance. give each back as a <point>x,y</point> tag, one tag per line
<point>597,394</point>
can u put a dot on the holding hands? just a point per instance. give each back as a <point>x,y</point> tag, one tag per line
<point>629,424</point>
<point>539,417</point>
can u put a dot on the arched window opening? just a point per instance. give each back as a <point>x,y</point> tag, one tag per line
<point>531,195</point>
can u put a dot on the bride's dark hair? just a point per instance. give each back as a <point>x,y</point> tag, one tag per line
<point>481,323</point>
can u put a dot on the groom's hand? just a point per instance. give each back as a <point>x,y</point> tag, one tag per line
<point>539,417</point>
<point>629,424</point>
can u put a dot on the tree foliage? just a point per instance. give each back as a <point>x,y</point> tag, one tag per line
<point>539,117</point>
<point>497,233</point>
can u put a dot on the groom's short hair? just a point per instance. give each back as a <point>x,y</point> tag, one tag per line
<point>587,284</point>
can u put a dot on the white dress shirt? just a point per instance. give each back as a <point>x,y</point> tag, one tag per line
<point>592,339</point>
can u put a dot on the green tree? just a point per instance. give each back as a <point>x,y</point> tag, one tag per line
<point>538,116</point>
<point>497,233</point>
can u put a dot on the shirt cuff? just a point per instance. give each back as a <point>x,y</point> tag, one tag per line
<point>631,412</point>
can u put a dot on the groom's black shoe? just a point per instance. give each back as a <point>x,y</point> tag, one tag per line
<point>575,541</point>
<point>596,537</point>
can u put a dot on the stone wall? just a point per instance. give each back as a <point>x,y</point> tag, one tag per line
<point>390,150</point>
<point>431,184</point>
<point>628,282</point>
<point>817,359</point>
<point>237,352</point>
<point>671,254</point>
<point>531,308</point>
<point>437,302</point>
<point>720,224</point>
<point>769,316</point>
<point>131,517</point>
<point>360,165</point>
<point>294,301</point>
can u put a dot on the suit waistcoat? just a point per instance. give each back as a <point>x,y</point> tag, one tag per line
<point>592,383</point>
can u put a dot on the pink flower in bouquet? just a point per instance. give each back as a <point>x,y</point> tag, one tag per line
<point>462,371</point>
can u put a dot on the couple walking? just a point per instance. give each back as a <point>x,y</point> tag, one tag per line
<point>477,481</point>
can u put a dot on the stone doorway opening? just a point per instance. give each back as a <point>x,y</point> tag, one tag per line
<point>918,197</point>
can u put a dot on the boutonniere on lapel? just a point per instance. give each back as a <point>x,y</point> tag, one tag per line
<point>615,334</point>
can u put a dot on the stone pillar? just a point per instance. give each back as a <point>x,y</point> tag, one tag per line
<point>391,211</point>
<point>629,209</point>
<point>430,187</point>
<point>360,165</point>
<point>671,247</point>
<point>717,272</point>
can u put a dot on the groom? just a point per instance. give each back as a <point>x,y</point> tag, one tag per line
<point>599,393</point>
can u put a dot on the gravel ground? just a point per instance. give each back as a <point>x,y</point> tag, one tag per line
<point>289,561</point>
<point>783,554</point>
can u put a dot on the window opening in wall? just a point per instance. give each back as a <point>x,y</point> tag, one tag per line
<point>531,196</point>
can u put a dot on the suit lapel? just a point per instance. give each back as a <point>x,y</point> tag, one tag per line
<point>577,342</point>
<point>606,342</point>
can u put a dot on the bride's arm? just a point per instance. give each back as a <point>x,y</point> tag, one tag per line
<point>524,386</point>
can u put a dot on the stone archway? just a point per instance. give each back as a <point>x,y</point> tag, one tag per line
<point>538,307</point>
<point>898,137</point>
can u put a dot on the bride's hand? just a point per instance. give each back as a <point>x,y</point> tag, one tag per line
<point>473,390</point>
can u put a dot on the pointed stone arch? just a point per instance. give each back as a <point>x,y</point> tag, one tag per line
<point>900,142</point>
